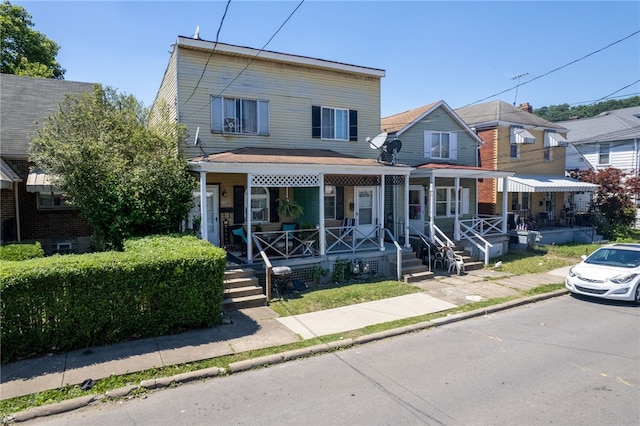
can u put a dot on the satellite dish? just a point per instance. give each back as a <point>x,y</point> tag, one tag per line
<point>391,147</point>
<point>378,141</point>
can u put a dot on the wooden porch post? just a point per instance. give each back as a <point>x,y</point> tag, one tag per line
<point>321,236</point>
<point>432,206</point>
<point>204,229</point>
<point>456,221</point>
<point>381,214</point>
<point>248,216</point>
<point>505,199</point>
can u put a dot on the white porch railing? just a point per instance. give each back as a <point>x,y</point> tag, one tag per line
<point>476,239</point>
<point>485,225</point>
<point>398,254</point>
<point>349,239</point>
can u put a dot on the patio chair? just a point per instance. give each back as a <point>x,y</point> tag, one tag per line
<point>454,262</point>
<point>240,239</point>
<point>439,258</point>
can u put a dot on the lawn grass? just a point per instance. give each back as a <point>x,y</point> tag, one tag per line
<point>542,258</point>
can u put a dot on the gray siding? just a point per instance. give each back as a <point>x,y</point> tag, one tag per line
<point>439,120</point>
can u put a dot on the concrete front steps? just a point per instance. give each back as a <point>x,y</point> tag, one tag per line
<point>242,289</point>
<point>413,270</point>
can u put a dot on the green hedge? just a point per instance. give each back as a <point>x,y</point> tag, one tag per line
<point>156,286</point>
<point>21,251</point>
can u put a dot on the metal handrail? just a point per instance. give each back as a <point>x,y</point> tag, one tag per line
<point>267,264</point>
<point>398,253</point>
<point>465,230</point>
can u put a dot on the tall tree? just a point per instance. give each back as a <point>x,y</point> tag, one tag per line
<point>125,178</point>
<point>25,51</point>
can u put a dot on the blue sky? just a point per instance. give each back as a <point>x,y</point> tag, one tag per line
<point>461,52</point>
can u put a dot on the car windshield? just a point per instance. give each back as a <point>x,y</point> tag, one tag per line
<point>615,257</point>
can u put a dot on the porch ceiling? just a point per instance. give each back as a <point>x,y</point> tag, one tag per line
<point>292,161</point>
<point>546,184</point>
<point>456,170</point>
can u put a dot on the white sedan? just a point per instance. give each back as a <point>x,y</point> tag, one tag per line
<point>611,272</point>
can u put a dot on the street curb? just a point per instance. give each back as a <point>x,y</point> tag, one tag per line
<point>249,364</point>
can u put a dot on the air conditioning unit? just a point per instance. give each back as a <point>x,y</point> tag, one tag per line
<point>231,125</point>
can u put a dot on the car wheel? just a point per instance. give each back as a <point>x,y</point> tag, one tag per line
<point>637,296</point>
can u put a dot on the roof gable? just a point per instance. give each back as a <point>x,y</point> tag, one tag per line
<point>499,113</point>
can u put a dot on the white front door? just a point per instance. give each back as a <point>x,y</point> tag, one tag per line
<point>213,216</point>
<point>366,211</point>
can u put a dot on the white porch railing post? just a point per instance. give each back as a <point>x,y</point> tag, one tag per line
<point>248,216</point>
<point>322,238</point>
<point>381,215</point>
<point>204,228</point>
<point>456,221</point>
<point>505,200</point>
<point>406,212</point>
<point>432,208</point>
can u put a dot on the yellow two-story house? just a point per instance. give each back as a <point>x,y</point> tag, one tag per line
<point>280,145</point>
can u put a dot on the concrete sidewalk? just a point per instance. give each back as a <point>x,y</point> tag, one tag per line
<point>257,328</point>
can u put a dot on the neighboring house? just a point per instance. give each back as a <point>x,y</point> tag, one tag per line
<point>539,194</point>
<point>268,127</point>
<point>443,187</point>
<point>32,209</point>
<point>610,139</point>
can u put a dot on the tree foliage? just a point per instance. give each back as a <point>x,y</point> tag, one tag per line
<point>613,196</point>
<point>25,51</point>
<point>564,112</point>
<point>126,179</point>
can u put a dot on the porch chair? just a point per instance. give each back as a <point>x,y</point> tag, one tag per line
<point>240,238</point>
<point>439,257</point>
<point>454,262</point>
<point>287,240</point>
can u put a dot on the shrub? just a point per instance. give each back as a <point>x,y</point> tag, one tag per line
<point>21,251</point>
<point>158,285</point>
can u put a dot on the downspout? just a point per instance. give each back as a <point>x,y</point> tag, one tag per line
<point>15,192</point>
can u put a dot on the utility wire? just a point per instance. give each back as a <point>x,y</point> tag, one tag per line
<point>211,54</point>
<point>556,69</point>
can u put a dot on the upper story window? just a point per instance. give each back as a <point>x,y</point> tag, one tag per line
<point>239,116</point>
<point>603,153</point>
<point>334,123</point>
<point>514,151</point>
<point>440,145</point>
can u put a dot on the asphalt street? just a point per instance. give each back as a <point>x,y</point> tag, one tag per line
<point>564,361</point>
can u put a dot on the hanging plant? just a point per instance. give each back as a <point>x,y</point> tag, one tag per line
<point>288,208</point>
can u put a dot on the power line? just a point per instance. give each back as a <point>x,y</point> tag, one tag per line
<point>211,54</point>
<point>556,69</point>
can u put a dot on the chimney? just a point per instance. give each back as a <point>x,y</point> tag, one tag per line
<point>526,107</point>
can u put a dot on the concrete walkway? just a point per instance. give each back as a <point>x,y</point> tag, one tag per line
<point>257,328</point>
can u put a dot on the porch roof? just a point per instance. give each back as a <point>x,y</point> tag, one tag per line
<point>7,175</point>
<point>546,184</point>
<point>38,181</point>
<point>457,170</point>
<point>292,161</point>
